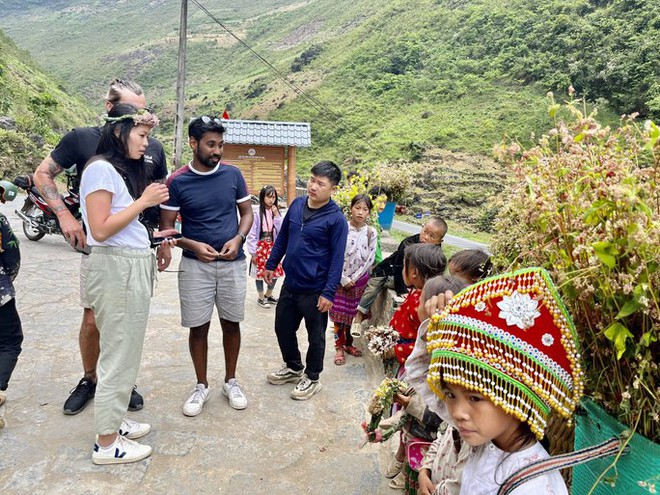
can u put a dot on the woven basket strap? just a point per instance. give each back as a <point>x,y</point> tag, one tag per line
<point>539,468</point>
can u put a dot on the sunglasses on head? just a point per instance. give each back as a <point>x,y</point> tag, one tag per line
<point>207,120</point>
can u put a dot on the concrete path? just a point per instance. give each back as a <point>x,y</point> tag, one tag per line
<point>275,446</point>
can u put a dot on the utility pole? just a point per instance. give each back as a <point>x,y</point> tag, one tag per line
<point>180,86</point>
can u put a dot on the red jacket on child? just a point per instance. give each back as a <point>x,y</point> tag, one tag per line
<point>406,322</point>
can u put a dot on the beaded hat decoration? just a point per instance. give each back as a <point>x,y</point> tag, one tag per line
<point>141,117</point>
<point>511,339</point>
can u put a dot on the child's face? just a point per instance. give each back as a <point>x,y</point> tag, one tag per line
<point>479,420</point>
<point>269,200</point>
<point>359,213</point>
<point>431,233</point>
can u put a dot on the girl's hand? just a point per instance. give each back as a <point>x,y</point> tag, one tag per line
<point>154,194</point>
<point>349,285</point>
<point>426,486</point>
<point>275,210</point>
<point>437,303</point>
<point>402,400</point>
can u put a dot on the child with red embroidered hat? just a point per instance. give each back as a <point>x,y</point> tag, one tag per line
<point>504,354</point>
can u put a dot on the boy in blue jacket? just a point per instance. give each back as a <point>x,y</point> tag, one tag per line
<point>313,238</point>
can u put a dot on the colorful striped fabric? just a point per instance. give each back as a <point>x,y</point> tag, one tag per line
<point>609,447</point>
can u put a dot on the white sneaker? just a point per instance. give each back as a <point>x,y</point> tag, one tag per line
<point>284,375</point>
<point>195,402</point>
<point>122,451</point>
<point>232,390</point>
<point>305,388</point>
<point>133,429</point>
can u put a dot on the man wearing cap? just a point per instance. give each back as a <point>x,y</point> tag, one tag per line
<point>208,193</point>
<point>74,150</point>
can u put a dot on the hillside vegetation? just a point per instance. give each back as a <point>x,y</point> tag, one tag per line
<point>34,111</point>
<point>389,77</point>
<point>383,81</point>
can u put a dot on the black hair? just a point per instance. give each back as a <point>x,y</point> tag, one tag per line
<point>327,169</point>
<point>471,264</point>
<point>199,126</point>
<point>114,149</point>
<point>267,190</point>
<point>364,198</point>
<point>440,284</point>
<point>427,259</point>
<point>440,222</point>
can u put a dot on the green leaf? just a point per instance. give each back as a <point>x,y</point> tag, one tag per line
<point>606,258</point>
<point>648,338</point>
<point>604,252</point>
<point>629,308</point>
<point>618,334</point>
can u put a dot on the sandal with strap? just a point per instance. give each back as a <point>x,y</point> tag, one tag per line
<point>353,351</point>
<point>340,359</point>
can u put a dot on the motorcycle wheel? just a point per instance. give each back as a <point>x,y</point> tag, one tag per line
<point>33,233</point>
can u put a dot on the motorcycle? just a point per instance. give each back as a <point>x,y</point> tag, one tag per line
<point>38,218</point>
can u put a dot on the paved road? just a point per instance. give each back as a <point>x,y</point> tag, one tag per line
<point>275,446</point>
<point>453,240</point>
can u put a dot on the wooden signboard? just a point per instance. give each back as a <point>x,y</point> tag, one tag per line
<point>260,165</point>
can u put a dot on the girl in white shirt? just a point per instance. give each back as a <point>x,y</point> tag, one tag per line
<point>113,194</point>
<point>358,258</point>
<point>504,354</point>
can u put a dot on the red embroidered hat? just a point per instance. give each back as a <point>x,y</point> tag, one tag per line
<point>511,339</point>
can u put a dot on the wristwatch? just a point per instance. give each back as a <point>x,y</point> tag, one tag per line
<point>243,237</point>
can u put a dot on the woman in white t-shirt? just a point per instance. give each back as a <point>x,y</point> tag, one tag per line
<point>121,273</point>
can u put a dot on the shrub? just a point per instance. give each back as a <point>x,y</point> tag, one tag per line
<point>585,204</point>
<point>395,179</point>
<point>358,183</point>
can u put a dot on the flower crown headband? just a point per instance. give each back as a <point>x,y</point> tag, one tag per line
<point>141,117</point>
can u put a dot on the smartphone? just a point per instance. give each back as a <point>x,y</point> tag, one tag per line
<point>157,241</point>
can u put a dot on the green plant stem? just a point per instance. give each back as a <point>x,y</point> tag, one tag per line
<point>618,455</point>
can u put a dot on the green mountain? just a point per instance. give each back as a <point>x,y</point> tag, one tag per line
<point>35,110</point>
<point>380,81</point>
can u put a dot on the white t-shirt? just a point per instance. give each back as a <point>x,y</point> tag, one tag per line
<point>488,467</point>
<point>102,176</point>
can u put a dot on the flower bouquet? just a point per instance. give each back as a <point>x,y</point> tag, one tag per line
<point>379,402</point>
<point>381,339</point>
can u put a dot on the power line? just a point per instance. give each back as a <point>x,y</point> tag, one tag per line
<point>325,112</point>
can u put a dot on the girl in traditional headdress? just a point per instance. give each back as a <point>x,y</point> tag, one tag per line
<point>504,354</point>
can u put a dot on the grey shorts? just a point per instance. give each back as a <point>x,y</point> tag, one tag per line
<point>219,283</point>
<point>84,268</point>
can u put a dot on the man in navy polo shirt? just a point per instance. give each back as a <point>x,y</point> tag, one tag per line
<point>207,193</point>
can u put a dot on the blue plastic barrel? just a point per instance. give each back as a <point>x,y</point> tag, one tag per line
<point>386,217</point>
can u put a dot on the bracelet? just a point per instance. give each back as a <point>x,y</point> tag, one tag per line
<point>61,211</point>
<point>243,237</point>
